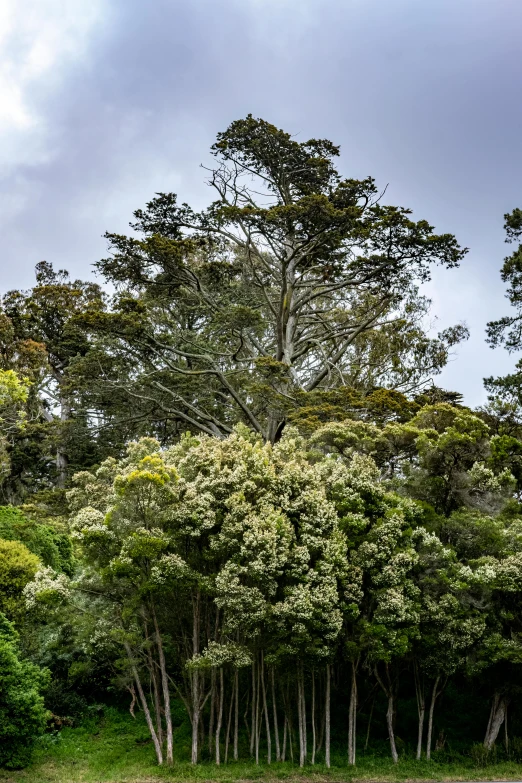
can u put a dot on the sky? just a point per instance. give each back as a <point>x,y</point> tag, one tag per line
<point>104,103</point>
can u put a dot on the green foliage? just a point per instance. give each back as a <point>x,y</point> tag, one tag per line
<point>17,568</point>
<point>52,547</point>
<point>22,713</point>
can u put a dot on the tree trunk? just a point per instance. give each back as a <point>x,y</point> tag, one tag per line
<point>388,688</point>
<point>220,715</point>
<point>352,716</point>
<point>212,711</point>
<point>144,705</point>
<point>195,678</point>
<point>369,725</point>
<point>62,461</point>
<point>229,721</point>
<point>434,696</point>
<point>283,754</point>
<point>313,718</point>
<point>391,733</point>
<point>497,717</point>
<point>274,709</point>
<point>166,693</point>
<point>236,716</point>
<point>327,718</point>
<point>421,707</point>
<point>155,690</point>
<point>253,721</point>
<point>301,704</point>
<point>265,710</point>
<point>258,716</point>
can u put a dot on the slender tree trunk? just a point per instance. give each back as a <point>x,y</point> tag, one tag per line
<point>274,709</point>
<point>236,715</point>
<point>498,715</point>
<point>229,721</point>
<point>144,705</point>
<point>258,716</point>
<point>369,725</point>
<point>212,711</point>
<point>290,743</point>
<point>155,691</point>
<point>253,721</point>
<point>221,698</point>
<point>62,461</point>
<point>301,704</point>
<point>391,733</point>
<point>195,677</point>
<point>506,735</point>
<point>434,696</point>
<point>313,717</point>
<point>283,754</point>
<point>166,693</point>
<point>421,707</point>
<point>388,688</point>
<point>265,710</point>
<point>327,717</point>
<point>352,716</point>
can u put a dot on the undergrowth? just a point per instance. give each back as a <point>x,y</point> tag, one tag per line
<point>114,748</point>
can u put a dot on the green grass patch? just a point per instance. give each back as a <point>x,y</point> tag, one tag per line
<point>114,748</point>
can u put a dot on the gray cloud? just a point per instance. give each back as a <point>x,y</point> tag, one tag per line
<point>423,96</point>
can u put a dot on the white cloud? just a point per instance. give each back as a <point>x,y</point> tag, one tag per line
<point>40,40</point>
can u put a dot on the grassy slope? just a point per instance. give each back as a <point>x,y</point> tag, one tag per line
<point>116,749</point>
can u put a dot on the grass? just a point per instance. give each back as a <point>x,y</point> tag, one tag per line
<point>116,749</point>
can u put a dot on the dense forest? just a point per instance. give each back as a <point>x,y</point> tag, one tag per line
<point>236,503</point>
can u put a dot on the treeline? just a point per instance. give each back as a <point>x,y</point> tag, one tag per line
<point>231,484</point>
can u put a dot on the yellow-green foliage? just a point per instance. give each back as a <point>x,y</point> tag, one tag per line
<point>17,567</point>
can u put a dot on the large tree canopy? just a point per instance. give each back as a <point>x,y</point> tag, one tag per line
<point>294,281</point>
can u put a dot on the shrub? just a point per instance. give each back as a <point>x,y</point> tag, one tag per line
<point>22,714</point>
<point>51,546</point>
<point>17,567</point>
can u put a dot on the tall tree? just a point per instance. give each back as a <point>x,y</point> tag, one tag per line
<point>45,316</point>
<point>294,281</point>
<point>507,331</point>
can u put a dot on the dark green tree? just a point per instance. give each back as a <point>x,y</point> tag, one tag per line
<point>22,713</point>
<point>45,317</point>
<point>294,282</point>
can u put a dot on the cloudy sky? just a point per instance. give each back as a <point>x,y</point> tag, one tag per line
<point>105,102</point>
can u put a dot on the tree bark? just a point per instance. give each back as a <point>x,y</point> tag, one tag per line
<point>62,461</point>
<point>221,698</point>
<point>327,718</point>
<point>166,693</point>
<point>497,717</point>
<point>313,717</point>
<point>195,677</point>
<point>274,709</point>
<point>236,716</point>
<point>265,710</point>
<point>352,716</point>
<point>144,705</point>
<point>253,721</point>
<point>155,689</point>
<point>301,705</point>
<point>421,707</point>
<point>434,696</point>
<point>388,689</point>
<point>369,725</point>
<point>212,711</point>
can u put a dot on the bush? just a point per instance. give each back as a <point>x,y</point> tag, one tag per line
<point>23,716</point>
<point>17,567</point>
<point>51,546</point>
